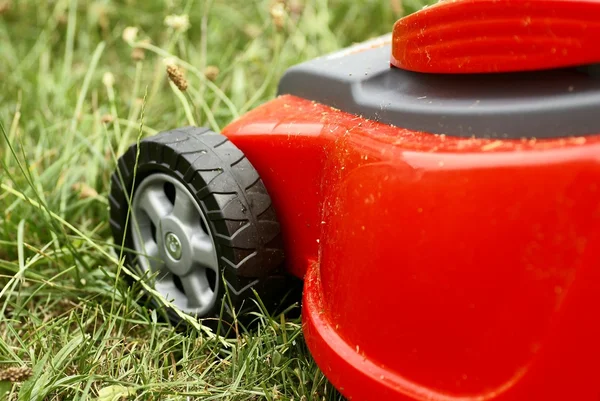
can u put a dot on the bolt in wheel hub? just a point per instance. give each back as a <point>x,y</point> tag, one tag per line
<point>173,246</point>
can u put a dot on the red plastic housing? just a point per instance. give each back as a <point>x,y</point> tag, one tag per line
<point>481,36</point>
<point>436,268</point>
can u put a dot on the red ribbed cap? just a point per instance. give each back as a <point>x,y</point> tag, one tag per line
<point>482,36</point>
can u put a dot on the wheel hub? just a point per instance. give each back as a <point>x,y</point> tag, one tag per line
<point>168,233</point>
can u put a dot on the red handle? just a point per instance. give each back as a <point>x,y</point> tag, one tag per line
<point>482,36</point>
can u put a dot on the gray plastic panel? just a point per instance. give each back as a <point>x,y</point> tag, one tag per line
<point>543,104</point>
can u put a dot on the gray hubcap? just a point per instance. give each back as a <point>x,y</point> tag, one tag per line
<point>170,237</point>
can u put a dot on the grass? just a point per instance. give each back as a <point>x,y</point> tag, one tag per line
<point>72,91</point>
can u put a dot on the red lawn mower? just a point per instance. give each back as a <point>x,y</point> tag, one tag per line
<point>437,190</point>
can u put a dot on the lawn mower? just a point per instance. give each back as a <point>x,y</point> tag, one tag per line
<point>436,189</point>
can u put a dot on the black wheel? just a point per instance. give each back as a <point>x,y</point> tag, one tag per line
<point>201,222</point>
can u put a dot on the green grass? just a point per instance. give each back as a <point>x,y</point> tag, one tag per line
<point>65,310</point>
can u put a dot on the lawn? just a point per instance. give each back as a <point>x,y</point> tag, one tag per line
<point>81,80</point>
